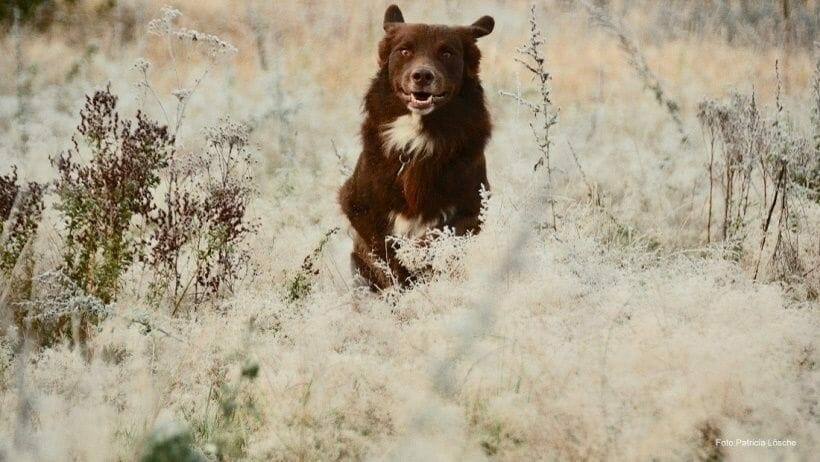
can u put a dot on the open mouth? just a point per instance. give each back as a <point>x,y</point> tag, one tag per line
<point>422,100</point>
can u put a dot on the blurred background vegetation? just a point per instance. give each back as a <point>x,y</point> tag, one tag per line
<point>766,22</point>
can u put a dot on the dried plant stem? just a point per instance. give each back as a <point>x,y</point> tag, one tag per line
<point>23,86</point>
<point>765,165</point>
<point>146,84</point>
<point>638,62</point>
<point>788,34</point>
<point>544,114</point>
<point>780,184</point>
<point>580,168</point>
<point>165,27</point>
<point>6,286</point>
<point>182,103</point>
<point>711,186</point>
<point>259,29</point>
<point>594,194</point>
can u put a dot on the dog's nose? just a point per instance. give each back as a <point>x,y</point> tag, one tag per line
<point>422,76</point>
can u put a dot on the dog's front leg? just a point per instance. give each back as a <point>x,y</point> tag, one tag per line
<point>464,224</point>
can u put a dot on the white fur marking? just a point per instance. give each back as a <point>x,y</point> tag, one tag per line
<point>411,228</point>
<point>405,134</point>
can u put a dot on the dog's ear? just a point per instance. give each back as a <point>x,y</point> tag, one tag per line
<point>482,27</point>
<point>392,17</point>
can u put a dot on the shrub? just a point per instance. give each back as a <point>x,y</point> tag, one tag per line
<point>227,190</point>
<point>197,243</point>
<point>57,308</point>
<point>102,199</point>
<point>302,282</point>
<point>763,167</point>
<point>739,136</point>
<point>21,209</point>
<point>808,176</point>
<point>17,228</point>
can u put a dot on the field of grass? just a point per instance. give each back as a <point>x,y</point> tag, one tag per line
<point>652,295</point>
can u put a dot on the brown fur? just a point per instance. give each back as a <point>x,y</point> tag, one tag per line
<point>439,186</point>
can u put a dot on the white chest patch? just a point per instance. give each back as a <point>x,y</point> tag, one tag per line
<point>411,228</point>
<point>406,134</point>
<point>414,228</point>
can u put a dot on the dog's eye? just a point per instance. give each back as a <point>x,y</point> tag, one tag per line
<point>405,52</point>
<point>446,55</point>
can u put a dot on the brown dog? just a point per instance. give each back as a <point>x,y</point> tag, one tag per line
<point>424,133</point>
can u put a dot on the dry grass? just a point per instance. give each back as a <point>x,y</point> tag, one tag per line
<point>622,334</point>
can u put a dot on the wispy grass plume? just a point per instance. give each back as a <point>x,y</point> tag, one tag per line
<point>637,61</point>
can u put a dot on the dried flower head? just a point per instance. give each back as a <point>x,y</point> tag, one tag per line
<point>228,134</point>
<point>166,27</point>
<point>182,94</point>
<point>165,24</point>
<point>141,65</point>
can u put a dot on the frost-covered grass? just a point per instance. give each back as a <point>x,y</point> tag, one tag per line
<point>619,335</point>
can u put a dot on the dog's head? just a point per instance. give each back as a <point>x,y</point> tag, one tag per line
<point>427,64</point>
